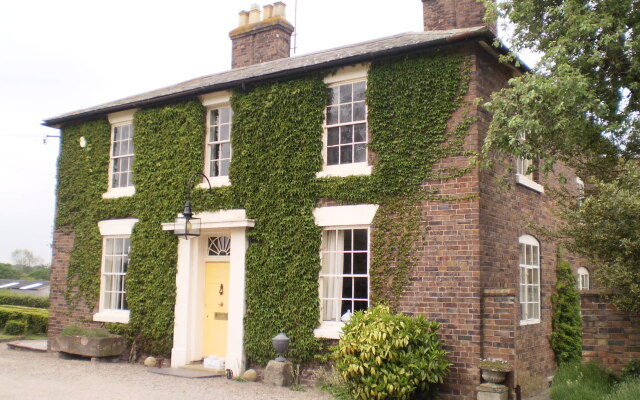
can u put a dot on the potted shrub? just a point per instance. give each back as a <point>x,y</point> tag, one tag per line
<point>494,371</point>
<point>88,342</point>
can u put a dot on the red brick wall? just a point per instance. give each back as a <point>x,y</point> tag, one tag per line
<point>450,14</point>
<point>609,336</point>
<point>60,314</point>
<point>260,42</point>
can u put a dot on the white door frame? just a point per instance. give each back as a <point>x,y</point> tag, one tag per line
<point>189,309</point>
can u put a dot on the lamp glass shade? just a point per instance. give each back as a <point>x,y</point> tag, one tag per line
<point>187,227</point>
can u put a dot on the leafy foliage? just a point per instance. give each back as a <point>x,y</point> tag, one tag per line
<point>580,107</point>
<point>566,321</point>
<point>277,143</point>
<point>7,272</point>
<point>575,381</point>
<point>277,152</point>
<point>387,356</point>
<point>35,319</point>
<point>15,299</point>
<point>632,369</point>
<point>606,230</point>
<point>75,330</point>
<point>15,328</point>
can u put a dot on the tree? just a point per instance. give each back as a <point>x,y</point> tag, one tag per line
<point>25,259</point>
<point>580,106</point>
<point>566,322</point>
<point>7,272</point>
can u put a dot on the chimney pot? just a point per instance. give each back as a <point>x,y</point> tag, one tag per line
<point>244,18</point>
<point>278,9</point>
<point>254,14</point>
<point>267,12</point>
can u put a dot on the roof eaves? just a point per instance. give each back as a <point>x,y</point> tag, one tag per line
<point>442,42</point>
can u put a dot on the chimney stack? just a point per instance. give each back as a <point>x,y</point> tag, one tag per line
<point>453,14</point>
<point>260,38</point>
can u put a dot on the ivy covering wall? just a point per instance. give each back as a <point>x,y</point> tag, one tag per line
<point>277,144</point>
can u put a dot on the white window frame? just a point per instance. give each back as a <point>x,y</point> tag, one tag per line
<point>580,190</point>
<point>584,282</point>
<point>524,282</point>
<point>523,177</point>
<point>346,75</point>
<point>117,120</point>
<point>212,101</point>
<point>112,229</point>
<point>343,218</point>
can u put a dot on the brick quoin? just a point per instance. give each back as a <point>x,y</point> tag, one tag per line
<point>61,313</point>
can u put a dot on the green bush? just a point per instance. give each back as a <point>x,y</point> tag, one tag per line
<point>15,328</point>
<point>14,299</point>
<point>75,330</point>
<point>575,381</point>
<point>566,322</point>
<point>36,319</point>
<point>631,370</point>
<point>387,356</point>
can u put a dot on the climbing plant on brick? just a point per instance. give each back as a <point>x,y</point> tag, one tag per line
<point>277,144</point>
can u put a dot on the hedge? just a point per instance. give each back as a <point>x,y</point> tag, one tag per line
<point>14,299</point>
<point>35,318</point>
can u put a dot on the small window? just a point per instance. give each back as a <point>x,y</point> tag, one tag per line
<point>219,142</point>
<point>580,192</point>
<point>529,279</point>
<point>524,173</point>
<point>114,272</point>
<point>583,279</point>
<point>122,156</point>
<point>346,124</point>
<point>344,276</point>
<point>219,246</point>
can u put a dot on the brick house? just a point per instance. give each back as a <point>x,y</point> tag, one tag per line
<point>478,268</point>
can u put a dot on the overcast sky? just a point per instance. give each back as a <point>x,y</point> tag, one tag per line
<point>63,55</point>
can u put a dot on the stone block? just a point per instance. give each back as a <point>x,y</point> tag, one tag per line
<point>278,373</point>
<point>492,391</point>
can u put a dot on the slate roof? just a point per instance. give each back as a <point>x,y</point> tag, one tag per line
<point>289,67</point>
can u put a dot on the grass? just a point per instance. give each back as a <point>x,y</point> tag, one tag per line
<point>30,336</point>
<point>592,382</point>
<point>74,330</point>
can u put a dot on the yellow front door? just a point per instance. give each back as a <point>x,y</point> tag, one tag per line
<point>216,308</point>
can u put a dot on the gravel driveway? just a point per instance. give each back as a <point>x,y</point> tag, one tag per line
<point>26,375</point>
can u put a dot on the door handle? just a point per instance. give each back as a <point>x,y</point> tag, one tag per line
<point>221,291</point>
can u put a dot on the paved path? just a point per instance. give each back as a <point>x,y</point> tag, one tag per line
<point>26,375</point>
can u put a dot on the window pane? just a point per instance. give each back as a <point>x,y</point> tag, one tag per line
<point>213,134</point>
<point>360,239</point>
<point>333,95</point>
<point>346,154</point>
<point>348,240</point>
<point>224,115</point>
<point>358,111</point>
<point>347,305</point>
<point>346,259</point>
<point>360,305</point>
<point>224,167</point>
<point>332,115</point>
<point>118,246</point>
<point>332,155</point>
<point>224,132</point>
<point>360,152</point>
<point>346,134</point>
<point>225,150</point>
<point>347,288</point>
<point>360,288</point>
<point>345,94</point>
<point>346,114</point>
<point>359,90</point>
<point>523,311</point>
<point>360,132</point>
<point>536,252</point>
<point>215,152</point>
<point>360,263</point>
<point>531,310</point>
<point>332,136</point>
<point>213,170</point>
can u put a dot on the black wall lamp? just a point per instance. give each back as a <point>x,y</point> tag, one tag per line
<point>185,225</point>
